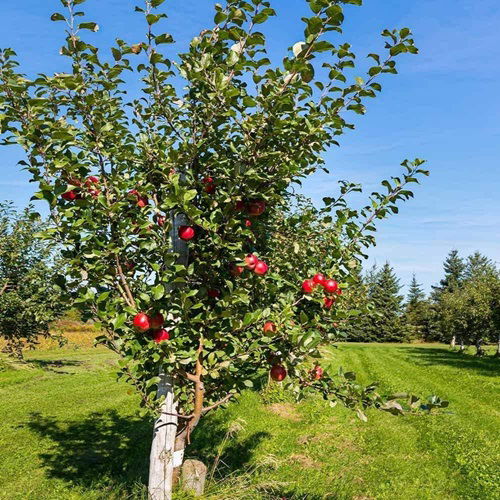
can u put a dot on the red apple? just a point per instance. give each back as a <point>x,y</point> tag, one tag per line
<point>71,195</point>
<point>317,372</point>
<point>338,291</point>
<point>215,294</point>
<point>256,207</point>
<point>261,268</point>
<point>160,220</point>
<point>308,286</point>
<point>142,201</point>
<point>157,321</point>
<point>236,270</point>
<point>328,301</point>
<point>269,326</point>
<point>186,233</point>
<point>278,373</point>
<point>251,261</point>
<point>142,322</point>
<point>331,286</point>
<point>209,185</point>
<point>248,223</point>
<point>319,279</point>
<point>161,335</point>
<point>91,180</point>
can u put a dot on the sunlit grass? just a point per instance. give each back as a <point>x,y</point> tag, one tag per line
<point>69,430</point>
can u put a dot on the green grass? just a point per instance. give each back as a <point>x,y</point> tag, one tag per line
<point>68,430</point>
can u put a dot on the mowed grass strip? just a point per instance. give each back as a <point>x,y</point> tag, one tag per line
<point>69,430</point>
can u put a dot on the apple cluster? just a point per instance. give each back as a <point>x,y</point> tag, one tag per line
<point>89,186</point>
<point>145,323</point>
<point>330,286</point>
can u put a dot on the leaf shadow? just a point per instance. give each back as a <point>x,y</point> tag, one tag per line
<point>104,450</point>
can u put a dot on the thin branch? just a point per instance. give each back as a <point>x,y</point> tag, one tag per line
<point>225,399</point>
<point>130,300</point>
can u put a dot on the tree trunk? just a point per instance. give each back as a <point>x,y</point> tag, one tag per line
<point>479,347</point>
<point>453,342</point>
<point>163,458</point>
<point>167,453</point>
<point>462,346</point>
<point>498,346</point>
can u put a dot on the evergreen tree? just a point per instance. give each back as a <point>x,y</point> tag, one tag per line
<point>353,328</point>
<point>454,268</point>
<point>418,313</point>
<point>478,265</point>
<point>415,292</point>
<point>386,323</point>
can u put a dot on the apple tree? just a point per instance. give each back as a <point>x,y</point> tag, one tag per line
<point>30,299</point>
<point>168,204</point>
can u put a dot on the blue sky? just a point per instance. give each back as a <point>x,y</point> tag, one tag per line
<point>444,106</point>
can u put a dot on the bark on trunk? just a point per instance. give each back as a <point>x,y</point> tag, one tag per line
<point>453,342</point>
<point>163,458</point>
<point>498,346</point>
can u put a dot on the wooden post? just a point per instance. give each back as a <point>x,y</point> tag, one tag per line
<point>194,474</point>
<point>164,458</point>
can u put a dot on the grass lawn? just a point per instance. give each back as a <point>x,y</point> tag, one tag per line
<point>68,430</point>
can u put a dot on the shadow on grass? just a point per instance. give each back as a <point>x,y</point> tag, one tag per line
<point>108,451</point>
<point>53,364</point>
<point>104,450</point>
<point>488,366</point>
<point>217,434</point>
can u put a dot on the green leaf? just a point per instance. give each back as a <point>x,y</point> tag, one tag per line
<point>158,291</point>
<point>220,17</point>
<point>57,17</point>
<point>164,38</point>
<point>119,321</point>
<point>117,55</point>
<point>153,18</point>
<point>89,26</point>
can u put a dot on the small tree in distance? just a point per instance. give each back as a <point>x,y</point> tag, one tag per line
<point>418,312</point>
<point>30,299</point>
<point>166,205</point>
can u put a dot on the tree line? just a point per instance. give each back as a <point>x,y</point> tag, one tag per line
<point>463,309</point>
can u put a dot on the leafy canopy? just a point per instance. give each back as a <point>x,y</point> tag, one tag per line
<point>120,173</point>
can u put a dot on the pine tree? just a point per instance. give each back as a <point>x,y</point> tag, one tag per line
<point>454,268</point>
<point>418,312</point>
<point>478,265</point>
<point>386,323</point>
<point>415,292</point>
